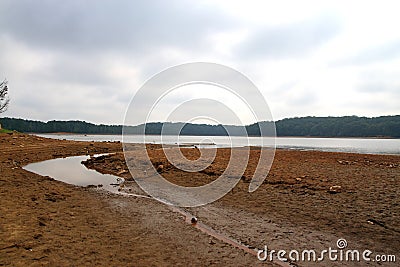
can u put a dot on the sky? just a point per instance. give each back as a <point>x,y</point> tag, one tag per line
<point>85,60</point>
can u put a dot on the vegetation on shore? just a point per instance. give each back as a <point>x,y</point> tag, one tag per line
<point>348,126</point>
<point>5,131</point>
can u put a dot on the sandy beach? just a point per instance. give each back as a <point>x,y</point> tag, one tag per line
<point>309,200</point>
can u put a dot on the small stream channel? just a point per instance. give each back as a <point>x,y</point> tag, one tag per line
<point>70,170</point>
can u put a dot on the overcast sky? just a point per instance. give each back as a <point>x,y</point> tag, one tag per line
<point>84,60</point>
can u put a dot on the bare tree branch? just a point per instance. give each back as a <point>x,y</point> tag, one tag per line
<point>4,99</point>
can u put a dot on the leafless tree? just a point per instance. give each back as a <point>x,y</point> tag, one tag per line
<point>4,99</point>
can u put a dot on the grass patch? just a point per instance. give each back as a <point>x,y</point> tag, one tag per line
<point>5,131</point>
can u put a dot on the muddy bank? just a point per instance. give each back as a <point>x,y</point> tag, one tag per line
<point>44,222</point>
<point>309,200</point>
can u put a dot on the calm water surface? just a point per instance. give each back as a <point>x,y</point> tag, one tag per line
<point>354,145</point>
<point>71,171</point>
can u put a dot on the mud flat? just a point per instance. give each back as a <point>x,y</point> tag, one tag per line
<point>309,200</point>
<point>44,222</point>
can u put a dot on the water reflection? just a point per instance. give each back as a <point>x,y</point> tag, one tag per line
<point>71,171</point>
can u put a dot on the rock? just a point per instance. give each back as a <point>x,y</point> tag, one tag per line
<point>160,168</point>
<point>193,220</point>
<point>375,222</point>
<point>37,236</point>
<point>245,179</point>
<point>335,189</point>
<point>122,172</point>
<point>298,179</point>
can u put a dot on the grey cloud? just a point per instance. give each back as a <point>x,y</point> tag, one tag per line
<point>50,102</point>
<point>386,52</point>
<point>293,40</point>
<point>76,70</point>
<point>87,26</point>
<point>73,41</point>
<point>378,87</point>
<point>58,55</point>
<point>294,93</point>
<point>194,108</point>
<point>377,80</point>
<point>374,105</point>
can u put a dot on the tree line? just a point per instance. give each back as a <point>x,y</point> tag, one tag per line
<point>348,126</point>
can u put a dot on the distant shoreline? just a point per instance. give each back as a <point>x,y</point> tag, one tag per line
<point>383,127</point>
<point>319,137</point>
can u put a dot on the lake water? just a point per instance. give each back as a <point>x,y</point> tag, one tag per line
<point>353,145</point>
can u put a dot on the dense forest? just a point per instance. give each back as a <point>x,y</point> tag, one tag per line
<point>348,126</point>
<point>82,127</point>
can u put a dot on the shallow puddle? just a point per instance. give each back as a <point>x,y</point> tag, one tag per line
<point>71,171</point>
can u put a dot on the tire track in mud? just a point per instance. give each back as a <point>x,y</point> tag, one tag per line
<point>191,219</point>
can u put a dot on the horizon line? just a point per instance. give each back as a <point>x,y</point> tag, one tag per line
<point>117,125</point>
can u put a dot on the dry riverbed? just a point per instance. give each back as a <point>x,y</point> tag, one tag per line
<point>44,222</point>
<point>308,201</point>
